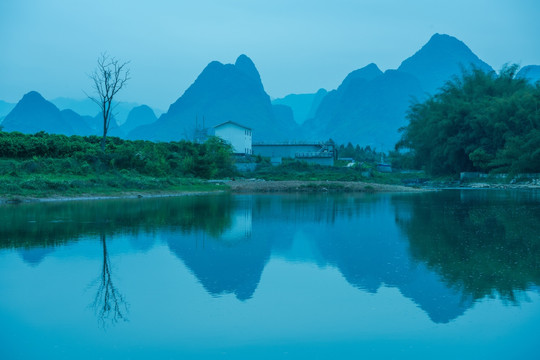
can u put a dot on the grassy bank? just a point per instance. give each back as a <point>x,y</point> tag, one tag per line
<point>302,171</point>
<point>106,184</point>
<point>45,165</point>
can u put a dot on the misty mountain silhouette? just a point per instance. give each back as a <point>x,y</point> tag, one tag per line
<point>220,93</point>
<point>530,72</point>
<point>81,125</point>
<point>369,106</point>
<point>140,115</point>
<point>5,108</point>
<point>33,114</point>
<point>441,58</point>
<point>304,106</point>
<point>87,107</point>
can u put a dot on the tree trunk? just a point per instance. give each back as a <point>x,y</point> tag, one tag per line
<point>103,140</point>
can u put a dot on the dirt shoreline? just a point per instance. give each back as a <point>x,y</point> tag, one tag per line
<point>239,186</point>
<point>87,197</point>
<point>257,186</point>
<point>286,186</point>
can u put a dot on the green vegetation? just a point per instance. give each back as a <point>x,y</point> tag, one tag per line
<point>480,122</point>
<point>358,153</point>
<point>45,165</point>
<point>301,170</point>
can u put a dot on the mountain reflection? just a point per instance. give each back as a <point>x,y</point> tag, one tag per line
<point>443,250</point>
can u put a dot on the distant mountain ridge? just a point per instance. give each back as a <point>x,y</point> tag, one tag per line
<point>303,106</point>
<point>370,106</point>
<point>138,116</point>
<point>33,114</point>
<point>442,57</point>
<point>530,72</point>
<point>5,108</point>
<point>86,107</point>
<point>222,92</point>
<point>367,108</point>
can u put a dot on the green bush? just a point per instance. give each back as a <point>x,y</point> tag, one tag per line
<point>78,155</point>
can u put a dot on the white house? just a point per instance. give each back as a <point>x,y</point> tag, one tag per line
<point>237,135</point>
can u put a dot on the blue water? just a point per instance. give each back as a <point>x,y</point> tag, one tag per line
<point>441,275</point>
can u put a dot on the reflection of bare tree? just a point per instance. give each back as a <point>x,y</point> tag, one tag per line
<point>109,305</point>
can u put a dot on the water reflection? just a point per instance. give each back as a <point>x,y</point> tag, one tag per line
<point>484,244</point>
<point>444,250</point>
<point>109,305</point>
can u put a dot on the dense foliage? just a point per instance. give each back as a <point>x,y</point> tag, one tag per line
<point>479,122</point>
<point>78,155</point>
<point>358,153</point>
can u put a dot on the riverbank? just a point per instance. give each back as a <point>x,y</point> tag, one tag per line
<point>257,186</point>
<point>123,195</point>
<point>210,187</point>
<point>108,186</point>
<point>445,185</point>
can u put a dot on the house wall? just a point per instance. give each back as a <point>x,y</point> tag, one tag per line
<point>302,152</point>
<point>284,150</point>
<point>237,136</point>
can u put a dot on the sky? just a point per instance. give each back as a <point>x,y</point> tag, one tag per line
<point>298,46</point>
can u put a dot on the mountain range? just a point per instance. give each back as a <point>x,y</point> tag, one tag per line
<point>367,108</point>
<point>33,113</point>
<point>370,106</point>
<point>89,108</point>
<point>222,92</point>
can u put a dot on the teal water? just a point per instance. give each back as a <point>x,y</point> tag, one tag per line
<point>446,275</point>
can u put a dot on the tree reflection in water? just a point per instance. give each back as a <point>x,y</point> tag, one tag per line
<point>109,305</point>
<point>484,244</point>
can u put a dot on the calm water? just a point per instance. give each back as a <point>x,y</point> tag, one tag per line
<point>441,275</point>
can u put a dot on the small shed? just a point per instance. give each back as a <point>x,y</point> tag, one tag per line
<point>239,136</point>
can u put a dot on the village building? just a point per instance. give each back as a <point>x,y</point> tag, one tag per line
<point>322,153</point>
<point>239,136</point>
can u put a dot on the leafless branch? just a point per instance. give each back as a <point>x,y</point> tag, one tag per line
<point>109,77</point>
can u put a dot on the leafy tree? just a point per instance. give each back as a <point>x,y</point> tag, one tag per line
<point>478,122</point>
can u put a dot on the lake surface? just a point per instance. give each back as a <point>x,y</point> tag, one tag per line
<point>445,275</point>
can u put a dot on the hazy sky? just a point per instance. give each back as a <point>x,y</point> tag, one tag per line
<point>298,46</point>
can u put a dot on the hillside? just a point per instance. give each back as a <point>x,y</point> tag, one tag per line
<point>441,58</point>
<point>304,106</point>
<point>138,116</point>
<point>220,93</point>
<point>370,106</point>
<point>33,114</point>
<point>530,72</point>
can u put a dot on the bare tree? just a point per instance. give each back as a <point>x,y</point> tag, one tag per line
<point>109,78</point>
